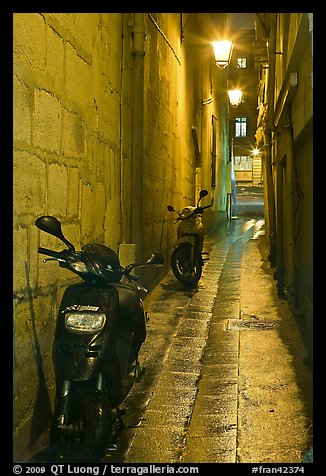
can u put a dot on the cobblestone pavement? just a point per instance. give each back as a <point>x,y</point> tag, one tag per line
<point>224,377</point>
<point>224,380</point>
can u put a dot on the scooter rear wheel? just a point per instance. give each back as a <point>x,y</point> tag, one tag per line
<point>187,270</point>
<point>86,438</point>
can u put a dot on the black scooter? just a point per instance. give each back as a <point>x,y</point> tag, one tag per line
<point>100,328</point>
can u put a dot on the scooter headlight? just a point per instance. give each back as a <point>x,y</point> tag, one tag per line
<point>85,322</point>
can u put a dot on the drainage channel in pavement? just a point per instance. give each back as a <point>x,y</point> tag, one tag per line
<point>163,432</point>
<point>212,431</point>
<point>161,409</point>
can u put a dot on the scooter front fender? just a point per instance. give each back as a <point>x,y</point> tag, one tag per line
<point>191,239</point>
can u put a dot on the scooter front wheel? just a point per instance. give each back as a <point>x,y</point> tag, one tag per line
<point>86,437</point>
<point>186,264</point>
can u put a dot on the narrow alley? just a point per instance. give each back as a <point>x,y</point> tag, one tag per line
<point>226,379</point>
<point>136,138</point>
<point>225,373</point>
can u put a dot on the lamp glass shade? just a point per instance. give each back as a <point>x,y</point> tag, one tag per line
<point>235,96</point>
<point>222,52</point>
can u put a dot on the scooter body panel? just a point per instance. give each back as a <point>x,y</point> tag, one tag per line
<point>79,356</point>
<point>191,233</point>
<point>100,327</point>
<point>191,225</point>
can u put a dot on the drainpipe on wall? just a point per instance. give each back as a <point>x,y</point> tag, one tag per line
<point>267,133</point>
<point>269,196</point>
<point>289,199</point>
<point>285,220</point>
<point>280,268</point>
<point>138,53</point>
<point>122,211</point>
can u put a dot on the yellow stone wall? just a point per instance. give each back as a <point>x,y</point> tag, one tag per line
<point>73,112</point>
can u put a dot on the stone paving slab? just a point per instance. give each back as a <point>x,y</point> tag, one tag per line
<point>264,381</point>
<point>215,393</point>
<point>275,387</point>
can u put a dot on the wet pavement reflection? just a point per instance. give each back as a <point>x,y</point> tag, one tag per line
<point>186,406</point>
<point>161,407</point>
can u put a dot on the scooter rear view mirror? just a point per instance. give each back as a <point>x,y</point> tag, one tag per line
<point>170,208</point>
<point>203,193</point>
<point>52,226</point>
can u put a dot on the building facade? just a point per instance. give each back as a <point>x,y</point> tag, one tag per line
<point>284,57</point>
<point>243,75</point>
<point>116,115</point>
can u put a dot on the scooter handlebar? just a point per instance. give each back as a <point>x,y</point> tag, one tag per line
<point>207,206</point>
<point>53,254</point>
<point>197,211</point>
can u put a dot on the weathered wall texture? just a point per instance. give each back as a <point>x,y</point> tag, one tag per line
<point>292,159</point>
<point>67,95</point>
<point>73,158</point>
<point>295,139</point>
<point>182,90</point>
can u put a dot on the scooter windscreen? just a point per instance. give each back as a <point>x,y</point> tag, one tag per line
<point>102,262</point>
<point>187,211</point>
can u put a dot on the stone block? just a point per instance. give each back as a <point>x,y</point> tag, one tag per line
<point>72,233</point>
<point>20,248</point>
<point>57,190</point>
<point>127,253</point>
<point>32,343</point>
<point>73,192</point>
<point>112,219</point>
<point>73,134</point>
<point>78,78</point>
<point>47,121</point>
<point>29,38</point>
<point>29,183</point>
<point>87,216</point>
<point>23,108</point>
<point>99,210</point>
<point>34,257</point>
<point>55,58</point>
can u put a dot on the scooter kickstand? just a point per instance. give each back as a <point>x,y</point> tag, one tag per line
<point>139,371</point>
<point>119,415</point>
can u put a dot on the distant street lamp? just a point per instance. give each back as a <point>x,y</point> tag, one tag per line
<point>235,97</point>
<point>222,52</point>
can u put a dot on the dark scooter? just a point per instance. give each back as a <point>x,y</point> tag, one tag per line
<point>100,328</point>
<point>187,257</point>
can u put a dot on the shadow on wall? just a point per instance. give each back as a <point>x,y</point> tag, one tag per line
<point>42,407</point>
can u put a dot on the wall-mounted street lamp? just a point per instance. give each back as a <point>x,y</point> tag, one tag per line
<point>235,97</point>
<point>222,52</point>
